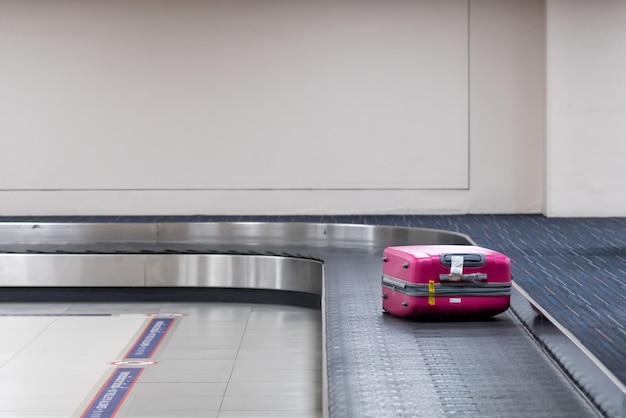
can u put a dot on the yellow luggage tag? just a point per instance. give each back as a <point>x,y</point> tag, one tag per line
<point>431,292</point>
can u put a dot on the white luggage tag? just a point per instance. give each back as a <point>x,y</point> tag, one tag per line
<point>456,268</point>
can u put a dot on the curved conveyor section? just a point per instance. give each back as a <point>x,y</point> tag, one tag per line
<point>376,365</point>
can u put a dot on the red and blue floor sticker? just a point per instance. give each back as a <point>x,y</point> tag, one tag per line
<point>112,394</point>
<point>151,338</point>
<point>114,391</point>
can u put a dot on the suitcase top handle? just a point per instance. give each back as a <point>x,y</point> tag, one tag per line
<point>469,260</point>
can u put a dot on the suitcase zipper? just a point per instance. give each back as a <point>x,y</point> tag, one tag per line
<point>448,289</point>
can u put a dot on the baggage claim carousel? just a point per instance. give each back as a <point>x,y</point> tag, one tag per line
<point>521,363</point>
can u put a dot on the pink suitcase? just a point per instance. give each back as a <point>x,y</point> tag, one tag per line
<point>445,280</point>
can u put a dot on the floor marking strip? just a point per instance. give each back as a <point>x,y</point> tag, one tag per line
<point>112,394</point>
<point>151,338</point>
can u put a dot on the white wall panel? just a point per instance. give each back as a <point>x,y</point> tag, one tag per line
<point>273,106</point>
<point>507,106</point>
<point>272,94</point>
<point>586,61</point>
<point>232,202</point>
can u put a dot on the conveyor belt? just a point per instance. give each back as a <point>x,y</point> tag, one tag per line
<point>381,366</point>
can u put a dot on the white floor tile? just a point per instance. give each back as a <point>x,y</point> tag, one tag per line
<point>33,308</point>
<point>36,388</point>
<point>295,325</point>
<point>276,376</point>
<point>201,343</point>
<point>311,333</point>
<point>67,349</point>
<point>37,414</point>
<point>47,364</point>
<point>269,403</point>
<point>114,308</point>
<point>169,414</point>
<point>271,355</point>
<point>179,389</point>
<point>51,377</point>
<point>207,353</point>
<point>312,389</point>
<point>209,333</point>
<point>123,324</point>
<point>22,330</point>
<point>278,364</point>
<point>86,335</point>
<point>25,324</point>
<point>256,343</point>
<point>270,414</point>
<point>162,404</point>
<point>195,364</point>
<point>193,324</point>
<point>188,376</point>
<point>284,353</point>
<point>218,313</point>
<point>10,404</point>
<point>8,355</point>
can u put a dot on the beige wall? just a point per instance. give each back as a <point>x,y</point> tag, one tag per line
<point>507,106</point>
<point>586,140</point>
<point>137,107</point>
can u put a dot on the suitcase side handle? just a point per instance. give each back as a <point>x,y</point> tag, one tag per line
<point>472,277</point>
<point>469,260</point>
